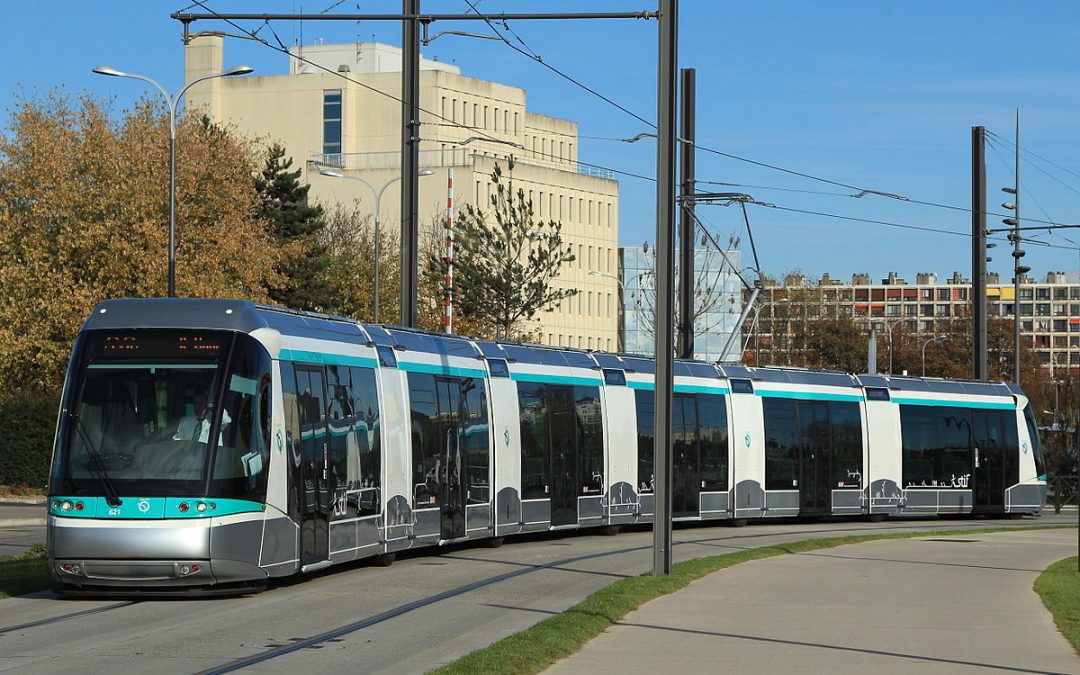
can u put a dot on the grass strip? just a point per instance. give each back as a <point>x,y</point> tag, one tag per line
<point>1059,588</point>
<point>24,574</point>
<point>535,648</point>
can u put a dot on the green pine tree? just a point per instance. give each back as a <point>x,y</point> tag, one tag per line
<point>296,227</point>
<point>503,269</point>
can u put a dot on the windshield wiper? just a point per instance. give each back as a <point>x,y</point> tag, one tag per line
<point>97,464</point>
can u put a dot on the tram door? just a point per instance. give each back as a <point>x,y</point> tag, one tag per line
<point>314,491</point>
<point>451,473</point>
<point>686,457</point>
<point>989,465</point>
<point>815,494</point>
<point>562,425</point>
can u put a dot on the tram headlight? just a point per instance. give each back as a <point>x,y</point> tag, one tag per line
<point>201,507</point>
<point>65,505</point>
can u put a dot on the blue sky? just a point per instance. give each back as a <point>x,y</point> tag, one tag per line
<point>877,95</point>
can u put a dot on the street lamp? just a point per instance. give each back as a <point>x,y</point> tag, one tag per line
<point>172,102</point>
<point>890,326</point>
<point>377,196</point>
<point>936,338</point>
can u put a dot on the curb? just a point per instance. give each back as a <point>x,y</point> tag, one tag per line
<point>23,522</point>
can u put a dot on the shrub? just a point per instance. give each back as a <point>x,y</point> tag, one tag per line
<point>30,422</point>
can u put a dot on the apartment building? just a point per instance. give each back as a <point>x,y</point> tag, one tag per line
<point>1049,310</point>
<point>338,107</point>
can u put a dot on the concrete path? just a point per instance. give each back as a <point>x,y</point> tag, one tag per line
<point>924,605</point>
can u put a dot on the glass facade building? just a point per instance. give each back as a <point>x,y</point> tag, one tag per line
<point>718,302</point>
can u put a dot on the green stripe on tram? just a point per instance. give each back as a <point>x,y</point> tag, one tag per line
<point>440,369</point>
<point>556,379</point>
<point>807,395</point>
<point>328,359</point>
<point>991,405</point>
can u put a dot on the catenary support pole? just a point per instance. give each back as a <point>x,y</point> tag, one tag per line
<point>667,70</point>
<point>1017,254</point>
<point>686,217</point>
<point>410,159</point>
<point>978,253</point>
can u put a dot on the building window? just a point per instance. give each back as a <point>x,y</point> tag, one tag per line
<point>331,122</point>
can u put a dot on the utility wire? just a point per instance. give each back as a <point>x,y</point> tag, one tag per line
<point>1025,151</point>
<point>533,56</point>
<point>446,121</point>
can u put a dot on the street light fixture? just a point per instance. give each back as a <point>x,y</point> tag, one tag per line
<point>172,102</point>
<point>936,338</point>
<point>377,196</point>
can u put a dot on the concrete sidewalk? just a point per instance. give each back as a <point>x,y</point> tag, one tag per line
<point>931,604</point>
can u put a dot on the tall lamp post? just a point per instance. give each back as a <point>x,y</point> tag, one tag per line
<point>936,338</point>
<point>890,326</point>
<point>376,195</point>
<point>172,102</point>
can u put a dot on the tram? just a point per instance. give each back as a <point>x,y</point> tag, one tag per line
<point>207,445</point>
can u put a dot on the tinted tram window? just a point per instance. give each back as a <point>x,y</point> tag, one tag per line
<point>644,401</point>
<point>474,421</point>
<point>291,406</point>
<point>364,458</point>
<point>781,444</point>
<point>846,430</point>
<point>1036,448</point>
<point>590,437</point>
<point>242,455</point>
<point>936,445</point>
<point>712,416</point>
<point>534,439</point>
<point>339,422</point>
<point>425,444</point>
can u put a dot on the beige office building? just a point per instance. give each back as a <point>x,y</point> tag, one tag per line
<point>339,107</point>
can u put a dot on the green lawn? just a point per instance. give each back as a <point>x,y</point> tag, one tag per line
<point>1059,588</point>
<point>24,574</point>
<point>541,645</point>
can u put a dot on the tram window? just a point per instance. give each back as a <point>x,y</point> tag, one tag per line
<point>242,453</point>
<point>644,402</point>
<point>742,387</point>
<point>534,439</point>
<point>425,443</point>
<point>339,423</point>
<point>712,418</point>
<point>364,457</point>
<point>846,430</point>
<point>877,394</point>
<point>475,432</point>
<point>387,358</point>
<point>614,377</point>
<point>781,444</point>
<point>936,445</point>
<point>498,368</point>
<point>291,405</point>
<point>1036,448</point>
<point>590,439</point>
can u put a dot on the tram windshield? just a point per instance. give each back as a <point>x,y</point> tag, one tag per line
<point>161,413</point>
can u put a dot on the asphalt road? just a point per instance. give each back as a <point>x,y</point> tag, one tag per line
<point>427,609</point>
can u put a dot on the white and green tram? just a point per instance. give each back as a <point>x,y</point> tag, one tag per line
<point>216,444</point>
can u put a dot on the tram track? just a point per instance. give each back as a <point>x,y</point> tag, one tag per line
<point>5,630</point>
<point>335,634</point>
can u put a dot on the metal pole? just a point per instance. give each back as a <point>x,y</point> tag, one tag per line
<point>448,320</point>
<point>410,159</point>
<point>871,351</point>
<point>686,222</point>
<point>978,252</point>
<point>172,201</point>
<point>1017,254</point>
<point>667,69</point>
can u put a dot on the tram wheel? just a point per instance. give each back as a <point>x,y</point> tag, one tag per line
<point>386,559</point>
<point>875,518</point>
<point>737,522</point>
<point>611,530</point>
<point>495,542</point>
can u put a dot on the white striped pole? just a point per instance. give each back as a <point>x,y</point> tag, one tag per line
<point>448,291</point>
